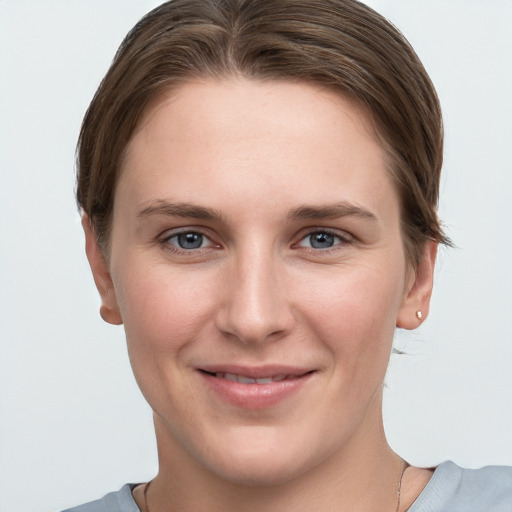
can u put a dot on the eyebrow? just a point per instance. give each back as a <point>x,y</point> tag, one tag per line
<point>164,208</point>
<point>330,211</point>
<point>305,212</point>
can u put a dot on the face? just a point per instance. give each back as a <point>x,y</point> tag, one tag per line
<point>258,267</point>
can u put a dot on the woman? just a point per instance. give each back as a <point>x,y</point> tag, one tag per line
<point>259,182</point>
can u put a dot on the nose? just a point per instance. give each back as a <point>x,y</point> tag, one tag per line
<point>256,307</point>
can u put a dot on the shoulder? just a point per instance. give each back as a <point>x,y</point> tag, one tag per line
<point>456,489</point>
<point>120,501</point>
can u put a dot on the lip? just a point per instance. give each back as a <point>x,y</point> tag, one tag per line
<point>255,395</point>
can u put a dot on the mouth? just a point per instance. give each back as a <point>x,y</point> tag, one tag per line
<point>255,388</point>
<point>245,379</point>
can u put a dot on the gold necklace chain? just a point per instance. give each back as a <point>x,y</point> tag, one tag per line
<point>404,466</point>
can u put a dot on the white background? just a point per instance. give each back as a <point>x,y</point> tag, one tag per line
<point>73,425</point>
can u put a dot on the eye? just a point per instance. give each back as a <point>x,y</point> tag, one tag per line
<point>189,240</point>
<point>322,240</point>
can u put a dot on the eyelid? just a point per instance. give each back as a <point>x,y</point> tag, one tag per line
<point>185,228</point>
<point>166,236</point>
<point>344,238</point>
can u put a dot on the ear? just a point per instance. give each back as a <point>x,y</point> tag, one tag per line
<point>109,309</point>
<point>416,302</point>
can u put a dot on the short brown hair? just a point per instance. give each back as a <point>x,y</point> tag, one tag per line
<point>340,44</point>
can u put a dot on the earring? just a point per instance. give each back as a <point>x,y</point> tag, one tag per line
<point>419,314</point>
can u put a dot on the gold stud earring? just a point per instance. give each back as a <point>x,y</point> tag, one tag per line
<point>419,314</point>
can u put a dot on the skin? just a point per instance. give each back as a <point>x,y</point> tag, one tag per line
<point>258,291</point>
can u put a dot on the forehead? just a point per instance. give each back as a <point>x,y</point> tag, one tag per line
<point>212,140</point>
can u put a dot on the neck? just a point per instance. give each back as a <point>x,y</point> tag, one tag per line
<point>361,476</point>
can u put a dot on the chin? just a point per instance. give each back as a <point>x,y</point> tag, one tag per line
<point>263,461</point>
<point>258,471</point>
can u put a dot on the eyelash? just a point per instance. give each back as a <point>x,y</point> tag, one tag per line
<point>342,240</point>
<point>166,242</point>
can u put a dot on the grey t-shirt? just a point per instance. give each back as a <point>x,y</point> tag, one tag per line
<point>451,489</point>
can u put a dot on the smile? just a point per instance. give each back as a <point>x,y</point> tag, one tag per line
<point>243,379</point>
<point>255,388</point>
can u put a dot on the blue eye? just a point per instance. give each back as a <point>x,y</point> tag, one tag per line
<point>322,240</point>
<point>189,240</point>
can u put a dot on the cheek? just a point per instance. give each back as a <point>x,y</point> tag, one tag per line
<point>163,314</point>
<point>354,313</point>
<point>162,310</point>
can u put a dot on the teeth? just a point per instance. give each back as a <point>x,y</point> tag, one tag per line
<point>248,380</point>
